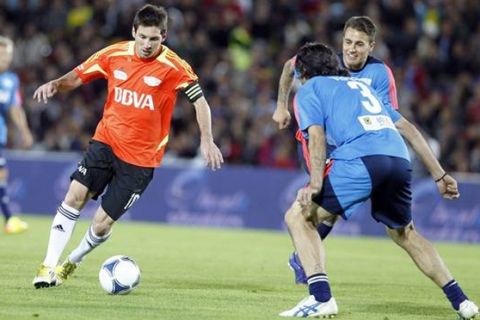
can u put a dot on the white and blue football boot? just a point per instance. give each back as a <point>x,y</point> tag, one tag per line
<point>311,308</point>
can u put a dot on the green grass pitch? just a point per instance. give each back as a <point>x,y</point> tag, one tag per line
<point>203,273</point>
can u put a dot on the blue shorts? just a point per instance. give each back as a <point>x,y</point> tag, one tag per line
<point>383,179</point>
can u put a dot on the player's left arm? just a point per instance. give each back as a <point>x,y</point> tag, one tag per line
<point>17,116</point>
<point>210,152</point>
<point>188,84</point>
<point>446,184</point>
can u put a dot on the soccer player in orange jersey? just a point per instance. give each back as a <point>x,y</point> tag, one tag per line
<point>144,77</point>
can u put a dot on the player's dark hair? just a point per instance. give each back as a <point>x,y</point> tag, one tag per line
<point>363,24</point>
<point>316,59</point>
<point>151,16</point>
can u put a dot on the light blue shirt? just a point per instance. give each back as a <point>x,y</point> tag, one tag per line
<point>356,121</point>
<point>9,96</point>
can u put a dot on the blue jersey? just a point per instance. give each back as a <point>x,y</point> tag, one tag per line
<point>9,96</point>
<point>376,74</point>
<point>355,120</point>
<point>379,76</point>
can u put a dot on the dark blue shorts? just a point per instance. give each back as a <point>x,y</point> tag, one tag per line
<point>383,179</point>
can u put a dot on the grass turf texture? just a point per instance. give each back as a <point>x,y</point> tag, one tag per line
<point>201,273</point>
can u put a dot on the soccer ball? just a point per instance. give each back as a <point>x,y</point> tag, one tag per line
<point>119,275</point>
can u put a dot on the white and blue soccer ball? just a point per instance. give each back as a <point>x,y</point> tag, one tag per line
<point>119,275</point>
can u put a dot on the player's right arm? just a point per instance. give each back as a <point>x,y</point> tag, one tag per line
<point>312,124</point>
<point>385,86</point>
<point>281,115</point>
<point>96,66</point>
<point>67,82</point>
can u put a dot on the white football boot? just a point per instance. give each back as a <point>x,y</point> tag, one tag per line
<point>45,278</point>
<point>467,310</point>
<point>309,307</point>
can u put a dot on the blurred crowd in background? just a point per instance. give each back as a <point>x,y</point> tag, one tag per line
<point>238,48</point>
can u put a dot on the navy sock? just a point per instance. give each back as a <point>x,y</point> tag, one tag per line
<point>319,287</point>
<point>4,202</point>
<point>324,229</point>
<point>454,293</point>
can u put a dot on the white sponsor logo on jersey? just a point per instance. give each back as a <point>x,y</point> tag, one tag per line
<point>120,75</point>
<point>132,98</point>
<point>377,122</point>
<point>6,82</point>
<point>4,96</point>
<point>152,81</point>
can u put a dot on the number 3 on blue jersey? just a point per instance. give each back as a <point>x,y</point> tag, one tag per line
<point>370,102</point>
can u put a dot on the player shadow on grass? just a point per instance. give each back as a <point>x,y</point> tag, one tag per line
<point>225,284</point>
<point>406,309</point>
<point>387,307</point>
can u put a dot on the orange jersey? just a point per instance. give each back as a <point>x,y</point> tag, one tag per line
<point>140,101</point>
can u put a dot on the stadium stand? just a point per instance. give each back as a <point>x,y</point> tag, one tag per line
<point>238,48</point>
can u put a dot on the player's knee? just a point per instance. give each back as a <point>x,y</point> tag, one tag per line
<point>294,216</point>
<point>77,195</point>
<point>101,228</point>
<point>288,217</point>
<point>102,223</point>
<point>5,200</point>
<point>74,200</point>
<point>3,175</point>
<point>394,234</point>
<point>331,220</point>
<point>403,235</point>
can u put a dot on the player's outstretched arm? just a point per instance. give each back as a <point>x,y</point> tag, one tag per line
<point>446,184</point>
<point>281,115</point>
<point>210,152</point>
<point>67,82</point>
<point>17,115</point>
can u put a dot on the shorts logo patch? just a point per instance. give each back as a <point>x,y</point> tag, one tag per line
<point>134,197</point>
<point>82,170</point>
